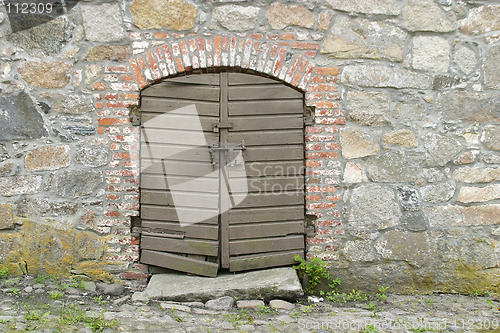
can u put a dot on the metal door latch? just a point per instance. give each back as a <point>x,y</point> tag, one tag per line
<point>230,152</point>
<point>220,125</point>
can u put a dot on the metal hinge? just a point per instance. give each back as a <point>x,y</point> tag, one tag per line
<point>135,115</point>
<point>308,120</point>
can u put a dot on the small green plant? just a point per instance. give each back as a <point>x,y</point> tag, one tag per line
<point>14,291</point>
<point>372,307</point>
<point>264,309</point>
<point>99,300</point>
<point>4,272</point>
<point>56,294</point>
<point>309,308</point>
<point>241,318</point>
<point>381,296</point>
<point>315,270</point>
<point>99,324</point>
<point>294,313</point>
<point>429,301</point>
<point>172,314</point>
<point>370,329</point>
<point>491,304</point>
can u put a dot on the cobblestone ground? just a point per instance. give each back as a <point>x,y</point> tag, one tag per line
<point>55,305</point>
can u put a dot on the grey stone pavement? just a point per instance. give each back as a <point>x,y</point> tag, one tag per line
<point>56,305</point>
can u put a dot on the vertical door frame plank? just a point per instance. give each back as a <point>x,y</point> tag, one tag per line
<point>223,136</point>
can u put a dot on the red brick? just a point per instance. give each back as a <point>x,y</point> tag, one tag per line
<point>333,198</point>
<point>111,96</point>
<point>320,138</point>
<point>117,69</point>
<point>318,155</point>
<point>324,232</point>
<point>322,87</point>
<point>314,146</point>
<point>99,105</point>
<point>310,54</point>
<point>330,121</point>
<point>328,223</point>
<point>314,198</point>
<point>320,205</point>
<point>110,196</point>
<point>141,267</point>
<point>120,104</point>
<point>316,240</point>
<point>326,104</point>
<point>257,36</point>
<point>131,96</point>
<point>133,276</point>
<point>180,65</point>
<point>273,36</point>
<point>321,189</point>
<point>305,46</point>
<point>98,86</point>
<point>318,79</point>
<point>114,146</point>
<point>161,35</point>
<point>217,50</point>
<point>109,213</point>
<point>327,71</point>
<point>314,164</point>
<point>279,62</point>
<point>113,121</point>
<point>153,65</point>
<point>333,146</point>
<point>288,36</point>
<point>127,78</point>
<point>138,73</point>
<point>312,129</point>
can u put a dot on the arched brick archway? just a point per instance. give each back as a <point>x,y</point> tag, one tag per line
<point>166,55</point>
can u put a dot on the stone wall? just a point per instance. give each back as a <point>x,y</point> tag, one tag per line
<point>403,158</point>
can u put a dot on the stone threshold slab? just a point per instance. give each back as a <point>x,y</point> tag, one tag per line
<point>281,283</point>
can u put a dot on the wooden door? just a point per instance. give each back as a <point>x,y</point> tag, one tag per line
<point>240,172</point>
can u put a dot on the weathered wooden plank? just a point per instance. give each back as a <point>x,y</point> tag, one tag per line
<point>268,137</point>
<point>273,185</point>
<point>269,214</point>
<point>175,152</point>
<point>198,199</point>
<point>183,168</point>
<point>266,107</point>
<point>206,78</point>
<point>174,136</point>
<point>162,105</point>
<point>172,121</point>
<point>269,168</point>
<point>178,183</point>
<point>179,263</point>
<point>257,92</point>
<point>274,244</point>
<point>263,230</point>
<point>275,259</point>
<point>183,91</point>
<point>284,198</point>
<point>246,79</point>
<point>257,123</point>
<point>192,246</point>
<point>274,153</point>
<point>197,230</point>
<point>159,213</point>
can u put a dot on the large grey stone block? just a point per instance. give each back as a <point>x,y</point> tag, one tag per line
<point>270,283</point>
